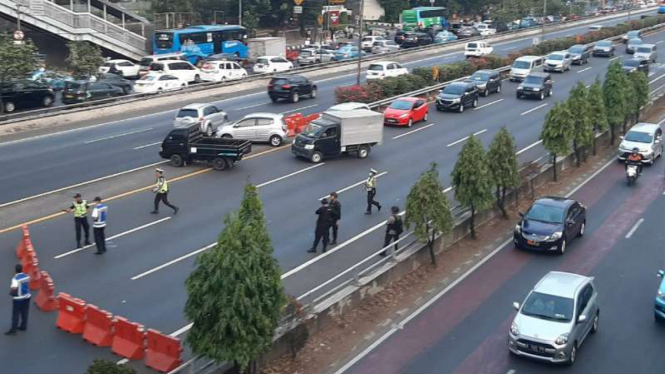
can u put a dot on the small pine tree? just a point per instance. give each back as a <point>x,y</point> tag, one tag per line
<point>583,135</point>
<point>427,209</point>
<point>641,91</point>
<point>614,97</point>
<point>631,101</point>
<point>557,132</point>
<point>84,58</point>
<point>598,116</point>
<point>17,61</point>
<point>503,166</point>
<point>108,367</point>
<point>472,179</point>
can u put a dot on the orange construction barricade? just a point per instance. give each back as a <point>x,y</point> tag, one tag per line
<point>163,352</point>
<point>35,275</point>
<point>71,314</point>
<point>45,299</point>
<point>25,239</point>
<point>98,328</point>
<point>128,339</point>
<point>28,255</point>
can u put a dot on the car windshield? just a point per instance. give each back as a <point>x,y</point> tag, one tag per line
<point>635,41</point>
<point>471,46</point>
<point>555,57</point>
<point>521,65</point>
<point>480,76</point>
<point>638,137</point>
<point>644,50</point>
<point>545,213</point>
<point>376,67</point>
<point>305,53</point>
<point>604,43</point>
<point>262,61</point>
<point>312,130</point>
<point>279,81</point>
<point>73,85</point>
<point>531,79</point>
<point>631,63</point>
<point>182,113</point>
<point>145,62</point>
<point>401,105</point>
<point>150,78</point>
<point>633,34</point>
<point>576,49</point>
<point>367,39</point>
<point>454,89</point>
<point>549,307</point>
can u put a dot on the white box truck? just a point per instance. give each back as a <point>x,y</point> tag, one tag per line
<point>268,46</point>
<point>339,132</point>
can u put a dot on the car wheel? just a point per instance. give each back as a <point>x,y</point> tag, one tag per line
<point>518,96</point>
<point>295,97</point>
<point>363,152</point>
<point>177,160</point>
<point>549,93</point>
<point>220,163</point>
<point>275,140</point>
<point>227,136</point>
<point>542,95</point>
<point>209,130</point>
<point>223,79</point>
<point>582,229</point>
<point>197,78</point>
<point>314,93</point>
<point>461,107</point>
<point>10,107</point>
<point>573,355</point>
<point>498,89</point>
<point>47,101</point>
<point>562,246</point>
<point>426,117</point>
<point>486,93</point>
<point>410,123</point>
<point>243,76</point>
<point>125,90</point>
<point>596,321</point>
<point>316,157</point>
<point>274,99</point>
<point>475,103</point>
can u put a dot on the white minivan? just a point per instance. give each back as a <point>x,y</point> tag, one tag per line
<point>385,69</point>
<point>477,49</point>
<point>222,71</point>
<point>646,52</point>
<point>144,64</point>
<point>523,66</point>
<point>181,69</point>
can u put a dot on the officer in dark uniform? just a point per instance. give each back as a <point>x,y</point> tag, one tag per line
<point>322,226</point>
<point>394,227</point>
<point>336,210</point>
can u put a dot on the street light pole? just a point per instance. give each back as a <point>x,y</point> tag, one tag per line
<point>239,12</point>
<point>542,38</point>
<point>360,38</point>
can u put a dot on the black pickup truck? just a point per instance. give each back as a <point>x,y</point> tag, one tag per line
<point>186,145</point>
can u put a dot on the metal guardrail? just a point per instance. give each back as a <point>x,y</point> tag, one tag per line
<point>47,112</point>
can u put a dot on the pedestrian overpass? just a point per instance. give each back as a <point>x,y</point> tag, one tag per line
<point>98,21</point>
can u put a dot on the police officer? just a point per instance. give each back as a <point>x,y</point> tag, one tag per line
<point>394,227</point>
<point>336,215</point>
<point>322,231</point>
<point>20,292</point>
<point>99,225</point>
<point>370,187</point>
<point>80,209</point>
<point>161,191</point>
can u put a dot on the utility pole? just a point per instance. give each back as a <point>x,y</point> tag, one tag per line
<point>239,12</point>
<point>360,38</point>
<point>18,17</point>
<point>542,38</point>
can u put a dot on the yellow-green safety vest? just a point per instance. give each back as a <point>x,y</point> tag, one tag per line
<point>80,210</point>
<point>162,185</point>
<point>371,182</point>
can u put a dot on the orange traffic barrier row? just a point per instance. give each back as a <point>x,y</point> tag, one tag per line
<point>128,339</point>
<point>163,352</point>
<point>296,123</point>
<point>71,314</point>
<point>22,244</point>
<point>98,327</point>
<point>45,299</point>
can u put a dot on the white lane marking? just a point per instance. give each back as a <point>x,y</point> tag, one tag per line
<point>352,186</point>
<point>81,184</point>
<point>658,42</point>
<point>413,131</point>
<point>289,175</point>
<point>251,106</point>
<point>652,73</point>
<point>488,104</point>
<point>632,231</point>
<point>147,145</point>
<point>583,70</point>
<point>657,79</point>
<point>660,123</point>
<point>528,147</point>
<point>300,109</point>
<point>465,138</point>
<point>118,135</point>
<point>162,266</point>
<point>113,237</point>
<point>448,189</point>
<point>511,371</point>
<point>614,58</point>
<point>534,109</point>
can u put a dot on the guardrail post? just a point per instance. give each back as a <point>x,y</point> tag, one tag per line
<point>391,254</point>
<point>356,276</point>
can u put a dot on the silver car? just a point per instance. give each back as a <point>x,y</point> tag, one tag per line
<point>384,46</point>
<point>257,127</point>
<point>314,56</point>
<point>558,61</point>
<point>208,116</point>
<point>556,317</point>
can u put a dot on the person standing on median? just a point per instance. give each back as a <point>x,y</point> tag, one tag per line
<point>394,227</point>
<point>370,187</point>
<point>336,215</point>
<point>99,225</point>
<point>322,231</point>
<point>161,191</point>
<point>20,292</point>
<point>80,209</point>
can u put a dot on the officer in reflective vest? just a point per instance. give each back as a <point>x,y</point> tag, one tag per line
<point>161,191</point>
<point>370,187</point>
<point>20,292</point>
<point>99,224</point>
<point>80,209</point>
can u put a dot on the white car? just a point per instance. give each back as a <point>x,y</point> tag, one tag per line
<point>158,82</point>
<point>272,64</point>
<point>368,41</point>
<point>208,116</point>
<point>343,107</point>
<point>485,29</point>
<point>477,49</point>
<point>595,27</point>
<point>385,69</point>
<point>125,68</point>
<point>182,69</point>
<point>222,71</point>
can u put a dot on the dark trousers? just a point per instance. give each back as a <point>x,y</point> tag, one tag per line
<point>390,238</point>
<point>370,200</point>
<point>163,197</point>
<point>100,238</point>
<point>334,228</point>
<point>321,234</point>
<point>20,308</point>
<point>82,223</point>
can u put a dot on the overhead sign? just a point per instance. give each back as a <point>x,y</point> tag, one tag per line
<point>297,10</point>
<point>18,35</point>
<point>298,2</point>
<point>334,17</point>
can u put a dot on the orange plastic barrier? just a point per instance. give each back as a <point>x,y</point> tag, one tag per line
<point>163,352</point>
<point>28,255</point>
<point>35,275</point>
<point>291,126</point>
<point>98,328</point>
<point>25,238</point>
<point>128,339</point>
<point>45,299</point>
<point>71,314</point>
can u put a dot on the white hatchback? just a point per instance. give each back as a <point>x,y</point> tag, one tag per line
<point>385,69</point>
<point>158,82</point>
<point>477,49</point>
<point>125,68</point>
<point>272,64</point>
<point>222,71</point>
<point>485,29</point>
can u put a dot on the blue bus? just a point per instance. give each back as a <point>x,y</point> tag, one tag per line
<point>199,42</point>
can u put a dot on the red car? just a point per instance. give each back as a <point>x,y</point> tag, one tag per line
<point>406,111</point>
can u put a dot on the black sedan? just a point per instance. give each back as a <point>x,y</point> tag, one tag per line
<point>457,96</point>
<point>549,224</point>
<point>603,48</point>
<point>81,91</point>
<point>118,81</point>
<point>416,39</point>
<point>25,95</point>
<point>636,64</point>
<point>486,81</point>
<point>467,32</point>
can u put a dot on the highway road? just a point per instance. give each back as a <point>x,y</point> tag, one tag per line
<point>465,329</point>
<point>142,275</point>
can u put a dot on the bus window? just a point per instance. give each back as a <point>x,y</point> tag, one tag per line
<point>164,40</point>
<point>195,37</point>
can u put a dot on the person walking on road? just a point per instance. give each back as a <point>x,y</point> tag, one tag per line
<point>336,215</point>
<point>20,292</point>
<point>99,225</point>
<point>80,208</point>
<point>161,191</point>
<point>394,227</point>
<point>370,187</point>
<point>322,231</point>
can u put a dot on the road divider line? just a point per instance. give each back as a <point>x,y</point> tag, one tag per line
<point>659,78</point>
<point>632,231</point>
<point>353,185</point>
<point>488,104</point>
<point>289,175</point>
<point>465,138</point>
<point>658,42</point>
<point>160,267</point>
<point>113,237</point>
<point>413,131</point>
<point>528,147</point>
<point>479,132</point>
<point>661,121</point>
<point>147,145</point>
<point>583,70</point>
<point>652,73</point>
<point>251,106</point>
<point>534,109</point>
<point>118,135</point>
<point>614,58</point>
<point>300,109</point>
